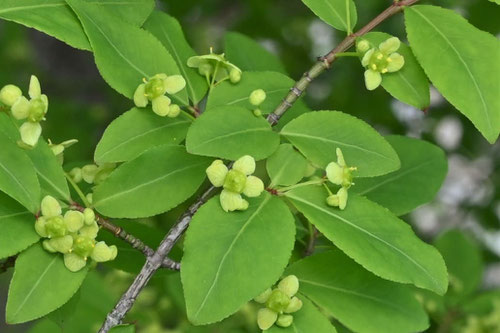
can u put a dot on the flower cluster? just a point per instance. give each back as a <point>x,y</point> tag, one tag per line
<point>235,182</point>
<point>72,235</point>
<point>339,174</point>
<point>280,302</point>
<point>215,67</point>
<point>33,111</point>
<point>256,98</point>
<point>92,173</point>
<point>154,90</point>
<point>381,60</point>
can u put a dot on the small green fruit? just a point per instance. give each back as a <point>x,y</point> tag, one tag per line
<point>235,75</point>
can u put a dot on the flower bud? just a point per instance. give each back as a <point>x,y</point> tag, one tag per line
<point>289,285</point>
<point>362,46</point>
<point>40,226</point>
<point>9,94</point>
<point>284,320</point>
<point>55,226</point>
<point>83,246</point>
<point>74,262</point>
<point>235,181</point>
<point>103,172</point>
<point>89,197</point>
<point>257,112</point>
<point>50,207</point>
<point>62,244</point>
<point>253,187</point>
<point>278,301</point>
<point>30,133</point>
<point>257,97</point>
<point>140,98</point>
<point>88,216</point>
<point>174,83</point>
<point>21,108</point>
<point>266,318</point>
<point>101,252</point>
<point>175,110</point>
<point>332,200</point>
<point>217,173</point>
<point>89,231</point>
<point>46,245</point>
<point>73,220</point>
<point>76,175</point>
<point>262,298</point>
<point>235,75</point>
<point>34,88</point>
<point>294,306</point>
<point>245,164</point>
<point>88,172</point>
<point>161,105</point>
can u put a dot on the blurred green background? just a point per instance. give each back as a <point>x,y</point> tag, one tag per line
<point>82,105</point>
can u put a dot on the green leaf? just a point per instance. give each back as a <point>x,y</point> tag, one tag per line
<point>63,23</point>
<point>168,31</point>
<point>423,169</point>
<point>124,53</point>
<point>410,84</point>
<point>318,134</point>
<point>358,299</point>
<point>276,86</point>
<point>17,225</point>
<point>463,66</point>
<point>136,131</point>
<point>220,278</point>
<point>50,172</point>
<point>150,184</point>
<point>306,320</point>
<point>463,259</point>
<point>17,175</point>
<point>483,303</point>
<point>335,12</point>
<point>231,132</point>
<point>374,238</point>
<point>249,55</point>
<point>123,329</point>
<point>286,166</point>
<point>41,283</point>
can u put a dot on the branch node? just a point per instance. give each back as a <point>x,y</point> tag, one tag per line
<point>296,91</point>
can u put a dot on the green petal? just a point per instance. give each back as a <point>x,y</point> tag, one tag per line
<point>74,262</point>
<point>390,45</point>
<point>253,187</point>
<point>231,201</point>
<point>245,164</point>
<point>174,84</point>
<point>21,108</point>
<point>366,58</point>
<point>34,89</point>
<point>372,79</point>
<point>396,62</point>
<point>161,105</point>
<point>30,133</point>
<point>217,173</point>
<point>334,173</point>
<point>140,98</point>
<point>342,195</point>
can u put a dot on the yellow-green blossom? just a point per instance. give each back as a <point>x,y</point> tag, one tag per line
<point>215,67</point>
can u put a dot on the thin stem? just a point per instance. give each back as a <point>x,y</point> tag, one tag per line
<point>347,54</point>
<point>78,190</point>
<point>310,182</point>
<point>348,16</point>
<point>153,263</point>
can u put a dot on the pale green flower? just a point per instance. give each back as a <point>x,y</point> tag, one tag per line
<point>154,90</point>
<point>215,66</point>
<point>381,60</point>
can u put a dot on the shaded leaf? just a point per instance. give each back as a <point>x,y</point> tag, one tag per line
<point>374,238</point>
<point>286,166</point>
<point>220,278</point>
<point>423,169</point>
<point>150,184</point>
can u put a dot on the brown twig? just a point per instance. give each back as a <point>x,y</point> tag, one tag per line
<point>153,263</point>
<point>135,242</point>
